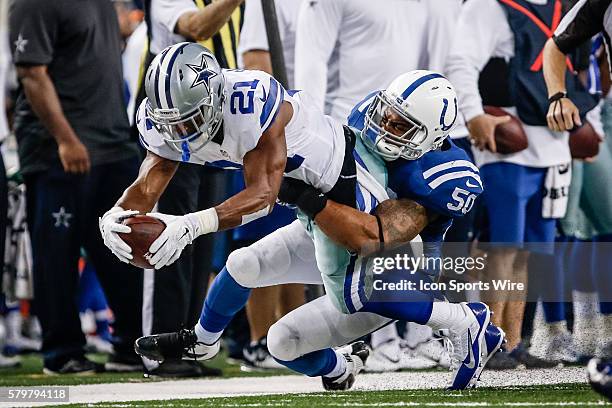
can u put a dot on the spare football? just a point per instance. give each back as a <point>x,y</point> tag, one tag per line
<point>510,137</point>
<point>145,230</point>
<point>584,142</point>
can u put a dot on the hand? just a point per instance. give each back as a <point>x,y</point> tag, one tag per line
<point>290,191</point>
<point>180,231</point>
<point>74,157</point>
<point>110,224</point>
<point>563,115</point>
<point>482,130</point>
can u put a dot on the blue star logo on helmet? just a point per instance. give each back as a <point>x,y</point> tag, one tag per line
<point>203,73</point>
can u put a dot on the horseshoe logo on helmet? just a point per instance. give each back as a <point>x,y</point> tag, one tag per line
<point>443,115</point>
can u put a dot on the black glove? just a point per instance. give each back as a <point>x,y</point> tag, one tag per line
<point>295,192</point>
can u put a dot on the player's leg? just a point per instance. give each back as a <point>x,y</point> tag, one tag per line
<point>285,256</point>
<point>303,339</point>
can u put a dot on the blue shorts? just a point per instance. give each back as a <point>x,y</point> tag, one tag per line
<point>513,200</point>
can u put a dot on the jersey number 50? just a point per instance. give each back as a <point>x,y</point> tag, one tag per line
<point>238,101</point>
<point>464,200</point>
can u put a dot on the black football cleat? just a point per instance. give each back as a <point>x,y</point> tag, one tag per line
<point>183,344</point>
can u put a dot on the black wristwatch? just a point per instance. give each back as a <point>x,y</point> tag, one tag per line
<point>557,96</point>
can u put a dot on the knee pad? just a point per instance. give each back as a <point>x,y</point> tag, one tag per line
<point>283,341</point>
<point>244,266</point>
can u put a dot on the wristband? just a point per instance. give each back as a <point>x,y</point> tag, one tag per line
<point>311,202</point>
<point>557,96</point>
<point>204,222</point>
<point>381,237</point>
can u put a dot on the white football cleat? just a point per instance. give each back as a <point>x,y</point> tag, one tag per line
<point>468,342</point>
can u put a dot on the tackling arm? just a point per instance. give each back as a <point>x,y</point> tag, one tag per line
<point>400,221</point>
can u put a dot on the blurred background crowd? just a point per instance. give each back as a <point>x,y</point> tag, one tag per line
<point>71,74</point>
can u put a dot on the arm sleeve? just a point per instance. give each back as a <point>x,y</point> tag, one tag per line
<point>482,32</point>
<point>167,12</point>
<point>317,30</point>
<point>33,31</point>
<point>253,33</point>
<point>583,21</point>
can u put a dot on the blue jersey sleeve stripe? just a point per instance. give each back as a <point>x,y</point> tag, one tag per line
<point>276,110</point>
<point>453,176</point>
<point>418,83</point>
<point>169,71</point>
<point>449,165</point>
<point>271,104</point>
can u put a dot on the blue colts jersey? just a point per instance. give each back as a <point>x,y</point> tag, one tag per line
<point>444,181</point>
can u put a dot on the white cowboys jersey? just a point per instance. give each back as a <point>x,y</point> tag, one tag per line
<point>315,142</point>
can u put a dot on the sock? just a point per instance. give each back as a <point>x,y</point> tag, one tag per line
<point>383,335</point>
<point>585,305</point>
<point>205,336</point>
<point>224,299</point>
<point>445,315</point>
<point>340,366</point>
<point>315,364</point>
<point>557,327</point>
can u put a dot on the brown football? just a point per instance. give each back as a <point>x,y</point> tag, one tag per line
<point>145,231</point>
<point>584,142</point>
<point>510,137</point>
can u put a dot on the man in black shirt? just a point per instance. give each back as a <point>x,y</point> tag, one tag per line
<point>76,158</point>
<point>583,21</point>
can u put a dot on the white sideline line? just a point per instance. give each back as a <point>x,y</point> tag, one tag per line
<point>293,384</point>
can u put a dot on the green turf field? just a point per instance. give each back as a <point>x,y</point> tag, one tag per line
<point>30,373</point>
<point>578,395</point>
<point>570,394</point>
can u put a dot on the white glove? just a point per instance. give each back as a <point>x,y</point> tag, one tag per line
<point>168,247</point>
<point>110,224</point>
<point>180,231</point>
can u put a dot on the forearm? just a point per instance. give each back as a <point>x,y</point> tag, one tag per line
<point>203,24</point>
<point>249,204</point>
<point>257,60</point>
<point>348,227</point>
<point>400,222</point>
<point>42,96</point>
<point>554,68</point>
<point>153,178</point>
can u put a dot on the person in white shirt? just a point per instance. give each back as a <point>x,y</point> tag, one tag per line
<point>514,183</point>
<point>363,38</point>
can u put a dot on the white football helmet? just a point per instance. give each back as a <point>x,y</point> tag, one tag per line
<point>185,92</point>
<point>425,105</point>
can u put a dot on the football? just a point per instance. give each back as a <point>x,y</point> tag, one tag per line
<point>145,231</point>
<point>510,137</point>
<point>584,142</point>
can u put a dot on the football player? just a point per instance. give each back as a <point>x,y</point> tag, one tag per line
<point>407,125</point>
<point>196,112</point>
